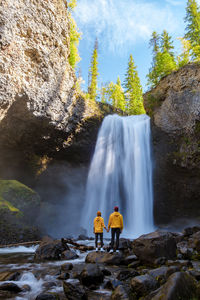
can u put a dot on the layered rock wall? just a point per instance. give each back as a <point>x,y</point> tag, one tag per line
<point>175,109</point>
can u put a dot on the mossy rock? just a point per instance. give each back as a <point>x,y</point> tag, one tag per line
<point>18,199</point>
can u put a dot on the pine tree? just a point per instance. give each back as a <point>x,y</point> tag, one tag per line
<point>93,73</point>
<point>193,28</point>
<point>153,76</point>
<point>184,57</point>
<point>167,43</point>
<point>133,90</point>
<point>163,59</point>
<point>74,57</point>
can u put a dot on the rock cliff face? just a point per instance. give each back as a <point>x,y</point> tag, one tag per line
<point>41,115</point>
<point>175,109</point>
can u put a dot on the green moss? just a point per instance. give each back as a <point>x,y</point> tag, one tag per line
<point>16,196</point>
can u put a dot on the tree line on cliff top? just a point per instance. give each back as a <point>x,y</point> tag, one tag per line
<point>128,96</point>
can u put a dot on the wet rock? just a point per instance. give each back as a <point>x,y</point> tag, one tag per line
<point>161,274</point>
<point>149,247</point>
<point>11,287</point>
<point>82,237</point>
<point>124,244</point>
<point>112,284</point>
<point>120,293</point>
<point>69,254</point>
<point>49,284</point>
<point>90,275</point>
<point>67,267</point>
<point>9,276</point>
<point>142,285</point>
<point>195,241</point>
<point>47,296</point>
<point>74,291</point>
<point>179,286</point>
<point>50,249</point>
<point>134,264</point>
<point>105,272</point>
<point>179,263</point>
<point>195,274</point>
<point>26,288</point>
<point>129,259</point>
<point>160,261</point>
<point>104,258</point>
<point>125,274</point>
<point>63,276</point>
<point>190,230</point>
<point>185,250</point>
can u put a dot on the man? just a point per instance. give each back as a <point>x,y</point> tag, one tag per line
<point>116,225</point>
<point>98,230</point>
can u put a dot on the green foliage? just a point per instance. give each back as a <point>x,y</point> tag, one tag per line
<point>74,57</point>
<point>133,90</point>
<point>163,58</point>
<point>193,28</point>
<point>93,73</point>
<point>113,94</point>
<point>184,57</point>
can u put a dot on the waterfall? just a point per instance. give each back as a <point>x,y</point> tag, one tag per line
<point>121,175</point>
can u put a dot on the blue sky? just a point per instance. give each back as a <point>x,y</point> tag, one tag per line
<point>124,27</point>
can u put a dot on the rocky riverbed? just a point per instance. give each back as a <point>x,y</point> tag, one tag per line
<point>160,265</point>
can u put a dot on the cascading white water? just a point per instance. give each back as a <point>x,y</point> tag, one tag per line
<point>121,174</point>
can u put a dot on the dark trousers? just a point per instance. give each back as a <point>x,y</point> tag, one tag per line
<point>115,231</point>
<point>101,239</point>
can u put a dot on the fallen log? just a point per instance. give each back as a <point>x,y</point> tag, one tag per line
<point>21,244</point>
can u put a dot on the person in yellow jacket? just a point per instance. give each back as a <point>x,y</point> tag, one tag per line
<point>98,229</point>
<point>116,225</point>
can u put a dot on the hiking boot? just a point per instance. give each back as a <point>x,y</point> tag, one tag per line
<point>102,250</point>
<point>111,250</point>
<point>117,251</point>
<point>97,249</point>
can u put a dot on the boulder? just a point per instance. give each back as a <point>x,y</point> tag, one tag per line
<point>104,258</point>
<point>50,249</point>
<point>91,275</point>
<point>74,291</point>
<point>129,259</point>
<point>11,287</point>
<point>190,230</point>
<point>143,284</point>
<point>69,254</point>
<point>47,296</point>
<point>179,286</point>
<point>120,293</point>
<point>125,274</point>
<point>111,284</point>
<point>66,267</point>
<point>184,249</point>
<point>150,247</point>
<point>161,274</point>
<point>9,276</point>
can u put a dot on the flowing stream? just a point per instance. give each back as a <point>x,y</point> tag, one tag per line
<point>121,174</point>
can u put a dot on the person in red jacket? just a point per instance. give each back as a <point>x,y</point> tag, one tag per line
<point>98,230</point>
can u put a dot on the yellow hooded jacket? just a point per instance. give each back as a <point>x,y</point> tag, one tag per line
<point>99,225</point>
<point>116,221</point>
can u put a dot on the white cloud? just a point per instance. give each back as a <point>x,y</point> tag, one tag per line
<point>124,23</point>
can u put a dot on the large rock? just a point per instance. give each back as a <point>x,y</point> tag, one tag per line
<point>179,286</point>
<point>120,293</point>
<point>50,249</point>
<point>74,292</point>
<point>150,247</point>
<point>104,258</point>
<point>91,275</point>
<point>143,284</point>
<point>174,106</point>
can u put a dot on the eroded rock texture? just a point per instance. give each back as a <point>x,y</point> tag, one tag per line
<point>41,115</point>
<point>175,109</point>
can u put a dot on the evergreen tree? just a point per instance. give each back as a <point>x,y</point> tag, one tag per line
<point>93,73</point>
<point>184,57</point>
<point>74,57</point>
<point>133,90</point>
<point>153,76</point>
<point>163,59</point>
<point>193,28</point>
<point>167,43</point>
<point>113,94</point>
